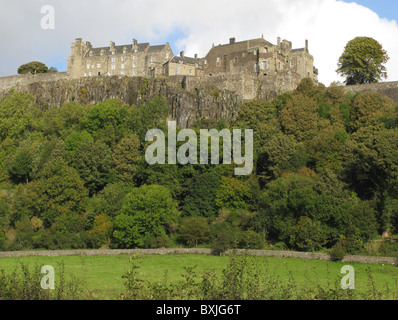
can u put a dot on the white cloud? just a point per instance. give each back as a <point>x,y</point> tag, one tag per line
<point>327,24</point>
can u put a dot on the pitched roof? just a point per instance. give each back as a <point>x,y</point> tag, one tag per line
<point>141,47</point>
<point>156,48</point>
<point>184,60</point>
<point>297,50</point>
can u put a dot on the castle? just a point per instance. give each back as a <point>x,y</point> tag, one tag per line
<point>251,69</point>
<point>257,57</point>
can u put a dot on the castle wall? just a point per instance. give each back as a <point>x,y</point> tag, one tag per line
<point>19,82</point>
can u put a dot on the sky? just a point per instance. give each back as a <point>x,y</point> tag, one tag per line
<point>193,26</point>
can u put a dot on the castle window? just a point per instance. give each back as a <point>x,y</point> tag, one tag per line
<point>85,74</point>
<point>113,59</point>
<point>98,65</point>
<point>178,70</point>
<point>134,72</point>
<point>89,74</point>
<point>205,62</point>
<point>218,61</point>
<point>167,55</point>
<point>123,58</point>
<point>291,63</point>
<point>88,66</point>
<point>134,57</point>
<point>113,67</point>
<point>102,53</point>
<point>134,64</point>
<point>152,60</point>
<point>123,72</point>
<point>263,65</point>
<point>122,66</point>
<point>190,71</point>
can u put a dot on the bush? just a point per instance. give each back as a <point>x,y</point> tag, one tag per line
<point>338,251</point>
<point>250,240</point>
<point>195,231</point>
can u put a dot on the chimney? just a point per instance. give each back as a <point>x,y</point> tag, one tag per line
<point>134,42</point>
<point>79,40</point>
<point>88,44</point>
<point>182,54</point>
<point>112,44</point>
<point>279,41</point>
<point>196,56</point>
<point>306,45</point>
<point>232,40</point>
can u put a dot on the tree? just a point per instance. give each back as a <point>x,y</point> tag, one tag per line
<point>18,114</point>
<point>145,215</point>
<point>363,61</point>
<point>94,163</point>
<point>194,231</point>
<point>33,67</point>
<point>59,190</point>
<point>126,158</point>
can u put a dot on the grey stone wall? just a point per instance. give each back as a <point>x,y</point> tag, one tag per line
<point>24,80</point>
<point>258,253</point>
<point>389,89</point>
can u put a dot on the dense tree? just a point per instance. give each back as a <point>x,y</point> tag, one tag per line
<point>19,114</point>
<point>363,61</point>
<point>33,67</point>
<point>200,201</point>
<point>146,214</point>
<point>127,157</point>
<point>59,190</point>
<point>93,161</point>
<point>195,231</point>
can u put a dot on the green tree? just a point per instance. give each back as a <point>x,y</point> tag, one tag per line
<point>147,212</point>
<point>33,67</point>
<point>59,190</point>
<point>363,61</point>
<point>127,158</point>
<point>19,114</point>
<point>307,235</point>
<point>200,201</point>
<point>93,161</point>
<point>195,231</point>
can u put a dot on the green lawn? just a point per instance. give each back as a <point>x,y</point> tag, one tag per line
<point>103,274</point>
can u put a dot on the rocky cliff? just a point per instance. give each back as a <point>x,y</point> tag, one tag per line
<point>186,106</point>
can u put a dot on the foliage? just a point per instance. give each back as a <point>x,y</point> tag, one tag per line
<point>195,231</point>
<point>146,213</point>
<point>33,67</point>
<point>325,172</point>
<point>363,61</point>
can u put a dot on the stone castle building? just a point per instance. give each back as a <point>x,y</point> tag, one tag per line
<point>258,58</point>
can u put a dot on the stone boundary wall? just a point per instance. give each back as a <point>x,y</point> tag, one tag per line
<point>23,81</point>
<point>258,253</point>
<point>389,89</point>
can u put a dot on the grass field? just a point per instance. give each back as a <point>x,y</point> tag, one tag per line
<point>103,274</point>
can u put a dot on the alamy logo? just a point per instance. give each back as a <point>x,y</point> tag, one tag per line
<point>48,20</point>
<point>188,152</point>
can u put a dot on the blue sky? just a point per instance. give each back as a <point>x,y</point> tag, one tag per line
<point>384,8</point>
<point>193,26</point>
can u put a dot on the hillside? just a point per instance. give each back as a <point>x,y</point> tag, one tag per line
<point>74,175</point>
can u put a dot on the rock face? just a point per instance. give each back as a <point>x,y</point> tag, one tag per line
<point>185,106</point>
